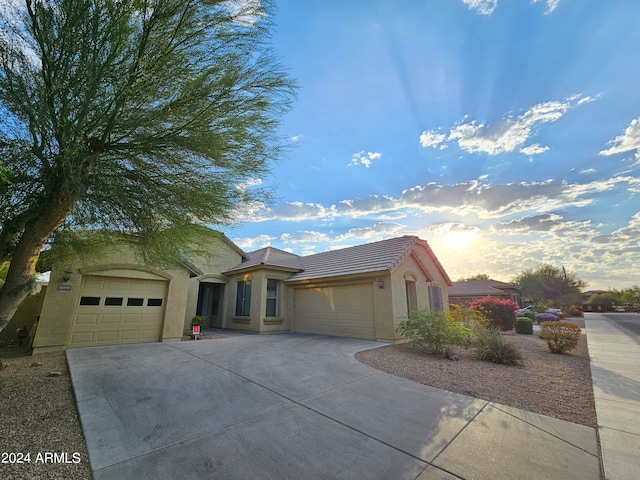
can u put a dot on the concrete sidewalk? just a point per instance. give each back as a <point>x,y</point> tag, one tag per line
<point>615,370</point>
<point>295,406</point>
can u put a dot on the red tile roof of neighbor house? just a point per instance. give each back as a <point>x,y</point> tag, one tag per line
<point>373,257</point>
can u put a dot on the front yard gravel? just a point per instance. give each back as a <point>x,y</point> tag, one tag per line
<point>550,384</point>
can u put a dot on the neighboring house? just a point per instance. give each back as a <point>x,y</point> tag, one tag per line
<point>363,292</point>
<point>464,293</point>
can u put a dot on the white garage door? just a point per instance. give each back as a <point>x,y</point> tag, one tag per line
<point>114,310</point>
<point>345,311</point>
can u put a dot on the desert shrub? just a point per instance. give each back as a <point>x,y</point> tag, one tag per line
<point>469,317</point>
<point>546,317</point>
<point>524,325</point>
<point>575,311</point>
<point>491,346</point>
<point>500,313</point>
<point>433,331</point>
<point>560,336</point>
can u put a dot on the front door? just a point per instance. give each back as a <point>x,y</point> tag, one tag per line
<point>209,295</point>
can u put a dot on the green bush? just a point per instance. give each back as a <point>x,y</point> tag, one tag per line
<point>531,316</point>
<point>433,331</point>
<point>198,320</point>
<point>491,346</point>
<point>501,313</point>
<point>561,337</point>
<point>524,325</point>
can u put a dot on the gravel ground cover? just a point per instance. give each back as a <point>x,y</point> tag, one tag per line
<point>41,434</point>
<point>550,384</point>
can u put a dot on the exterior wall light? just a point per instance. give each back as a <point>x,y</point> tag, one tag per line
<point>380,284</point>
<point>67,275</point>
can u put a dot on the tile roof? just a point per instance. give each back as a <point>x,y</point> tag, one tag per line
<point>271,257</point>
<point>373,257</point>
<point>479,287</point>
<point>367,258</point>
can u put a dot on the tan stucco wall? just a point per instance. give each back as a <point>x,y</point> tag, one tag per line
<point>257,321</point>
<point>25,316</point>
<point>221,258</point>
<point>59,305</point>
<point>410,269</point>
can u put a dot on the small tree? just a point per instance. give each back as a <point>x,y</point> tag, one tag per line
<point>134,116</point>
<point>501,313</point>
<point>549,285</point>
<point>433,331</point>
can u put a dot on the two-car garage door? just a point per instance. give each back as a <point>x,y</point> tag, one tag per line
<point>114,310</point>
<point>345,311</point>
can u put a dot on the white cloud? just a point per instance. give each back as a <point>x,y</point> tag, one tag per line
<point>537,223</point>
<point>245,12</point>
<point>364,158</point>
<point>533,149</point>
<point>296,138</point>
<point>433,139</point>
<point>385,228</point>
<point>551,5</point>
<point>482,200</point>
<point>507,135</point>
<point>626,142</point>
<point>253,243</point>
<point>304,237</point>
<point>483,7</point>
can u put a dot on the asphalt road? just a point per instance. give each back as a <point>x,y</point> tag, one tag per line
<point>630,322</point>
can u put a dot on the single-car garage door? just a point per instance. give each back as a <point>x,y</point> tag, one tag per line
<point>345,311</point>
<point>113,310</point>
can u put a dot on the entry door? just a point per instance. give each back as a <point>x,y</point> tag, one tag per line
<point>209,295</point>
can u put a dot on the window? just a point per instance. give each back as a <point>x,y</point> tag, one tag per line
<point>412,297</point>
<point>243,299</point>
<point>113,301</point>
<point>435,298</point>
<point>154,302</point>
<point>89,300</point>
<point>272,298</point>
<point>135,302</point>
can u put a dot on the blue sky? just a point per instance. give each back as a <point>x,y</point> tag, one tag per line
<point>505,133</point>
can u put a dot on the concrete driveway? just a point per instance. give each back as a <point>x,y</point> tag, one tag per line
<point>296,406</point>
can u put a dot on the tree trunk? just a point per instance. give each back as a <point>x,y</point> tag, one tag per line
<point>22,270</point>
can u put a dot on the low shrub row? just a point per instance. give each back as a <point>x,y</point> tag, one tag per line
<point>437,332</point>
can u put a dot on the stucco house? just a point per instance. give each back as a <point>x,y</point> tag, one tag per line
<point>363,291</point>
<point>464,293</point>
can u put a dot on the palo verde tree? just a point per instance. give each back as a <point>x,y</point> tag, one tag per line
<point>547,284</point>
<point>137,116</point>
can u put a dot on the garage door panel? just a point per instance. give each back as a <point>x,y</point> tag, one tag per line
<point>115,310</point>
<point>343,311</point>
<point>103,337</point>
<point>133,318</point>
<point>86,319</point>
<point>110,318</point>
<point>80,338</point>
